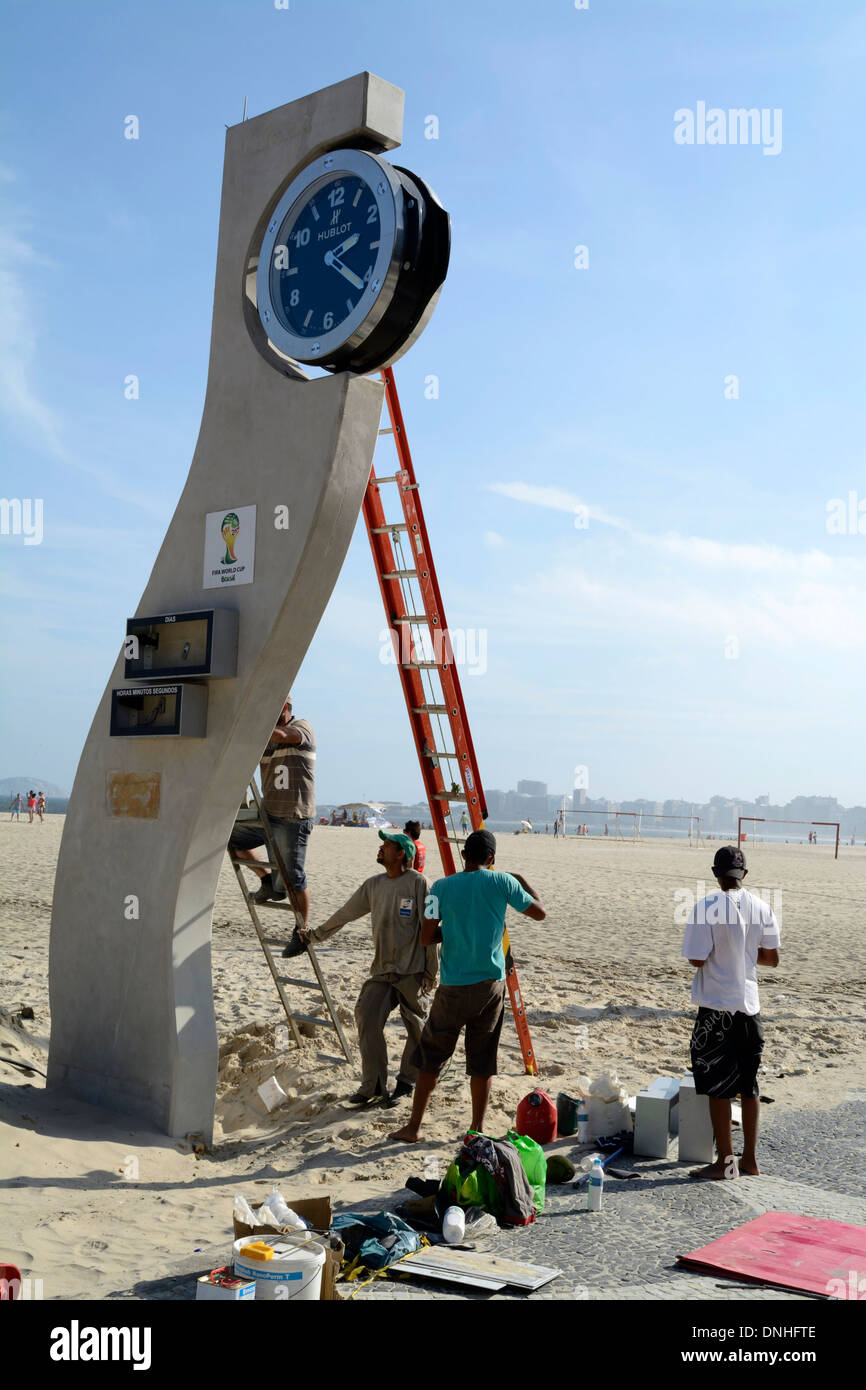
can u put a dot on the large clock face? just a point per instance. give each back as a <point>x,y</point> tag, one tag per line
<point>350,263</point>
<point>331,255</point>
<point>325,256</point>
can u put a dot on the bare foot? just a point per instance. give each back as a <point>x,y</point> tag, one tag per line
<point>406,1135</point>
<point>750,1170</point>
<point>715,1172</point>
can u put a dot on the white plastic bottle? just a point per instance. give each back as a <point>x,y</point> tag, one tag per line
<point>583,1135</point>
<point>585,1163</point>
<point>595,1187</point>
<point>454,1225</point>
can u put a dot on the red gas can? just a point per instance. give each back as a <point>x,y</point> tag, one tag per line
<point>536,1117</point>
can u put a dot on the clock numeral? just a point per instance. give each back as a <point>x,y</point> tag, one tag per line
<point>328,321</point>
<point>368,275</point>
<point>336,196</point>
<point>372,213</point>
<point>302,237</point>
<point>294,298</point>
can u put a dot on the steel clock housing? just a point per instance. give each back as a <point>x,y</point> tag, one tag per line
<point>285,245</point>
<point>351,263</point>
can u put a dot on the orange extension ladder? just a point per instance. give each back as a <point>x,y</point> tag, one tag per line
<point>428,674</point>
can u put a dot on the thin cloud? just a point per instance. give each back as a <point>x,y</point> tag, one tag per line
<point>695,550</point>
<point>555,499</point>
<point>18,345</point>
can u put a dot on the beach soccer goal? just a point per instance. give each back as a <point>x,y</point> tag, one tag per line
<point>629,825</point>
<point>832,838</point>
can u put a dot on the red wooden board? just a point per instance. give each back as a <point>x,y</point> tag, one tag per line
<point>794,1252</point>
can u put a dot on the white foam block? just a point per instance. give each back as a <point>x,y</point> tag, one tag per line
<point>696,1130</point>
<point>655,1117</point>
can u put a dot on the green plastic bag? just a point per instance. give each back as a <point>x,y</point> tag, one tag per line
<point>472,1187</point>
<point>534,1166</point>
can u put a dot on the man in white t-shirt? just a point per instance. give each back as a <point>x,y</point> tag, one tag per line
<point>728,935</point>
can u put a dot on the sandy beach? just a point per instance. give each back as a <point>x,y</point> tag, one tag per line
<point>93,1203</point>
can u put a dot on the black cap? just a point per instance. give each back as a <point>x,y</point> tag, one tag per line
<point>479,847</point>
<point>729,862</point>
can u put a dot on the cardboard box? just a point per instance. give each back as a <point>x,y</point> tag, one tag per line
<point>316,1210</point>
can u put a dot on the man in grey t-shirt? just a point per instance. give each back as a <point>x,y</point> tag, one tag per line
<point>403,972</point>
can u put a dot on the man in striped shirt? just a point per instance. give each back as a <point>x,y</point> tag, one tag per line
<point>287,771</point>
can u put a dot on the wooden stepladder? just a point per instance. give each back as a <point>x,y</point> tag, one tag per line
<point>259,819</point>
<point>424,653</point>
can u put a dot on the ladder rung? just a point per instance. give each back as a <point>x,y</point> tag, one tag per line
<point>457,839</point>
<point>411,618</point>
<point>395,478</point>
<point>386,530</point>
<point>300,984</point>
<point>434,753</point>
<point>420,665</point>
<point>429,709</point>
<point>386,431</point>
<point>449,796</point>
<point>401,574</point>
<point>311,1018</point>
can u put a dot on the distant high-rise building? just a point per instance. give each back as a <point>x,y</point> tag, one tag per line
<point>532,788</point>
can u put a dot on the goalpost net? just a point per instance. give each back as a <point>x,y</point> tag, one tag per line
<point>630,825</point>
<point>816,834</point>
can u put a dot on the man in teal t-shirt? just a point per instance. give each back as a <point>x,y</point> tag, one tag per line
<point>466,912</point>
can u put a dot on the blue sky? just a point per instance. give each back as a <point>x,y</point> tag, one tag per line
<point>704,632</point>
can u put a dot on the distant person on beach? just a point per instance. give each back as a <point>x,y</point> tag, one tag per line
<point>404,969</point>
<point>466,912</point>
<point>287,770</point>
<point>412,828</point>
<point>31,804</point>
<point>40,807</point>
<point>464,823</point>
<point>728,934</point>
<point>556,829</point>
<point>15,807</point>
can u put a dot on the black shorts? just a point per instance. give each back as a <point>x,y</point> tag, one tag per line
<point>726,1052</point>
<point>480,1009</point>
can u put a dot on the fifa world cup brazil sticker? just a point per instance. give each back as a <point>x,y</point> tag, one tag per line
<point>229,547</point>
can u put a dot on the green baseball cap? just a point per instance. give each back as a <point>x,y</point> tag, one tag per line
<point>402,840</point>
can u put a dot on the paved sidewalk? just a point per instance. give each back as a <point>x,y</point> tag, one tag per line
<point>629,1249</point>
<point>813,1164</point>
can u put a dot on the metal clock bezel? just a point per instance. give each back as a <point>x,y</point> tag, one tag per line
<point>356,327</point>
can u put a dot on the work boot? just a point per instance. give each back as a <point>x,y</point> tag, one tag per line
<point>268,892</point>
<point>361,1097</point>
<point>296,947</point>
<point>403,1088</point>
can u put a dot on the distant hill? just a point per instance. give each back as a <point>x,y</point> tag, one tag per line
<point>10,785</point>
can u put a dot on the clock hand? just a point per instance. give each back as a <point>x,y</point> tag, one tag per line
<point>346,245</point>
<point>347,274</point>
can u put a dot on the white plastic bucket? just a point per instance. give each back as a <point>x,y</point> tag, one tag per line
<point>295,1272</point>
